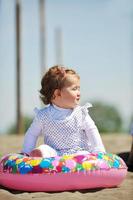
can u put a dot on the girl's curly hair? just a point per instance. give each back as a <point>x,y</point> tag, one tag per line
<point>54,78</point>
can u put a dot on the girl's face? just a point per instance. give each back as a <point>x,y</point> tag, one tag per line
<point>69,95</point>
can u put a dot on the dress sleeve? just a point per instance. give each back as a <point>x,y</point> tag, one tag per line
<point>131,131</point>
<point>92,133</point>
<point>31,135</point>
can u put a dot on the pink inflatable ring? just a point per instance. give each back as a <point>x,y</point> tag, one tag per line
<point>69,172</point>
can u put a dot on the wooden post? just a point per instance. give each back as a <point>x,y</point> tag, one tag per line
<point>42,37</point>
<point>19,128</point>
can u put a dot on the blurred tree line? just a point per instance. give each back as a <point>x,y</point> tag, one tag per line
<point>106,117</point>
<point>27,120</point>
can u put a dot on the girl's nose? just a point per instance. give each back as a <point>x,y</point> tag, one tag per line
<point>78,94</point>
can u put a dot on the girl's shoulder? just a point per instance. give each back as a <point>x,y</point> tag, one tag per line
<point>41,112</point>
<point>85,107</point>
<point>82,110</point>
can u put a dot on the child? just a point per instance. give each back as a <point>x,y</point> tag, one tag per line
<point>66,126</point>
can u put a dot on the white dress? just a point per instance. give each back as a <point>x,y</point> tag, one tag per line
<point>67,131</point>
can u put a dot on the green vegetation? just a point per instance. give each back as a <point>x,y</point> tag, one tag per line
<point>26,123</point>
<point>106,117</point>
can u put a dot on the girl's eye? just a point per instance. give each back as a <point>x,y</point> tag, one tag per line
<point>76,88</point>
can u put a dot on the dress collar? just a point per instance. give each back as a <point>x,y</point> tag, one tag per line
<point>61,109</point>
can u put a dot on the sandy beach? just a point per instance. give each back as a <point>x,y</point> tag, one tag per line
<point>114,143</point>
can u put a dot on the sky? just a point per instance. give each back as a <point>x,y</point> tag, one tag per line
<point>97,41</point>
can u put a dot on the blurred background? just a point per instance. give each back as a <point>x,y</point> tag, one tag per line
<point>94,37</point>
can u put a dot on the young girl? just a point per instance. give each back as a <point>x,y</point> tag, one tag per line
<point>66,126</point>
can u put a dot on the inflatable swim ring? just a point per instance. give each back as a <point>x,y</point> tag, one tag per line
<point>69,172</point>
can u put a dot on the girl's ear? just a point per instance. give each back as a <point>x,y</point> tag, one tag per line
<point>57,93</point>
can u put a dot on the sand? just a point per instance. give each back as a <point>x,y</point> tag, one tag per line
<point>114,143</point>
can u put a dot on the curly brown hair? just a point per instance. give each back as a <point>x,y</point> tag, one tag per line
<point>54,78</point>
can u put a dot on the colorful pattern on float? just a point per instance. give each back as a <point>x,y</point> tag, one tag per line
<point>19,164</point>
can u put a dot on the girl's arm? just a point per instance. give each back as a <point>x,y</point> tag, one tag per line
<point>93,135</point>
<point>31,136</point>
